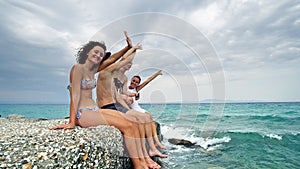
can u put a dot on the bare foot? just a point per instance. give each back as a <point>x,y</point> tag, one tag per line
<point>143,165</point>
<point>151,163</point>
<point>157,153</point>
<point>161,146</point>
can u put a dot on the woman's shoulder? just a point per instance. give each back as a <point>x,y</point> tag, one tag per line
<point>77,68</point>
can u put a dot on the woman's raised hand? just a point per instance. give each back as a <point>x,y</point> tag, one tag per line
<point>160,72</point>
<point>128,40</point>
<point>138,46</point>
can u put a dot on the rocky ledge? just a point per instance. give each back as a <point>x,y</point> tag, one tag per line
<point>28,143</point>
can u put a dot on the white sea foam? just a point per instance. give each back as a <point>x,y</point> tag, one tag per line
<point>278,137</point>
<point>212,143</point>
<point>170,132</point>
<point>208,144</point>
<point>164,129</point>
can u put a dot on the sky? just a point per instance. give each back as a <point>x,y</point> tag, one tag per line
<point>226,50</point>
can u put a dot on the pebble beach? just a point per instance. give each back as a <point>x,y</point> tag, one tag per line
<point>28,143</point>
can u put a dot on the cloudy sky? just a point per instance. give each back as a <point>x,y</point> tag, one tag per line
<point>233,50</point>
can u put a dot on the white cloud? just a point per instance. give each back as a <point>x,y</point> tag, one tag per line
<point>209,18</point>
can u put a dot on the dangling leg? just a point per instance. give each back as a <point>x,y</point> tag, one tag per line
<point>155,137</point>
<point>153,151</point>
<point>128,128</point>
<point>141,127</point>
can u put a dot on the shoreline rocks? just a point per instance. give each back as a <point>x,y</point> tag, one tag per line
<point>180,142</point>
<point>28,143</point>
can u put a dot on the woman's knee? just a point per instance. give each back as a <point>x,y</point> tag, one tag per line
<point>142,119</point>
<point>146,118</point>
<point>128,127</point>
<point>129,124</point>
<point>149,116</point>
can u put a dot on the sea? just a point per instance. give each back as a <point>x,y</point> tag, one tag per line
<point>226,136</point>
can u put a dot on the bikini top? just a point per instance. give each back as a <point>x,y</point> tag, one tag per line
<point>118,84</point>
<point>88,84</point>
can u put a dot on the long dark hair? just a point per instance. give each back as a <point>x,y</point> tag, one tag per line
<point>81,55</point>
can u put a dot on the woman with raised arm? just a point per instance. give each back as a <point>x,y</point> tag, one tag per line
<point>133,89</point>
<point>109,59</point>
<point>131,95</point>
<point>84,111</point>
<point>107,98</point>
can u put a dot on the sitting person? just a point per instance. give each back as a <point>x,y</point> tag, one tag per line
<point>135,87</point>
<point>84,111</point>
<point>132,91</point>
<point>108,98</point>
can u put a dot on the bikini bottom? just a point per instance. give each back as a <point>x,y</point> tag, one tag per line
<point>78,114</point>
<point>115,106</point>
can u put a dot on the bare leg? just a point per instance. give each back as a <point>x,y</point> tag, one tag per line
<point>139,144</point>
<point>153,151</point>
<point>143,153</point>
<point>128,128</point>
<point>155,137</point>
<point>148,131</point>
<point>141,127</point>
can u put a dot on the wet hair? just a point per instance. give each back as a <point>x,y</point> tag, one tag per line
<point>138,78</point>
<point>81,55</point>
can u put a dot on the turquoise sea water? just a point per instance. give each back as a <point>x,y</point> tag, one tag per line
<point>247,135</point>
